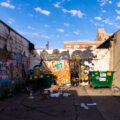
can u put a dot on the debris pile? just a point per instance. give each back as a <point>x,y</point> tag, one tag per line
<point>85,106</point>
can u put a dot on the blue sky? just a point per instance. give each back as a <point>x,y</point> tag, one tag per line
<point>60,20</point>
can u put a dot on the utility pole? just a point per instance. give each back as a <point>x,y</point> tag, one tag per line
<point>47,45</point>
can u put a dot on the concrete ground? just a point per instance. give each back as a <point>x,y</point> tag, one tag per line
<point>20,107</point>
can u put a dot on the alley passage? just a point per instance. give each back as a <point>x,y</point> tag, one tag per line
<point>20,107</point>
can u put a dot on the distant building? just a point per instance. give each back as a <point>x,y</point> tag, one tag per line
<point>81,44</point>
<point>102,35</point>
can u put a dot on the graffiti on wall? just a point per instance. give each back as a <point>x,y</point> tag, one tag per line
<point>56,55</point>
<point>60,70</point>
<point>84,73</point>
<point>83,56</point>
<point>78,56</point>
<point>58,65</point>
<point>13,70</point>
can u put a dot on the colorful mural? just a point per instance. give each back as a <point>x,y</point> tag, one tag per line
<point>13,70</point>
<point>60,70</point>
<point>84,73</point>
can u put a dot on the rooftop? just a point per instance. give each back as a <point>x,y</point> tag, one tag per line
<point>82,41</point>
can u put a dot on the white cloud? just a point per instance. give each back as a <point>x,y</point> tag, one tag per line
<point>118,4</point>
<point>98,18</point>
<point>104,2</point>
<point>103,11</point>
<point>46,26</point>
<point>118,18</point>
<point>117,26</point>
<point>112,23</point>
<point>11,21</point>
<point>64,10</point>
<point>66,24</point>
<point>77,13</point>
<point>45,12</point>
<point>29,27</point>
<point>45,36</point>
<point>117,11</point>
<point>98,24</point>
<point>60,30</point>
<point>76,32</point>
<point>57,4</point>
<point>108,21</point>
<point>35,34</point>
<point>30,34</point>
<point>7,4</point>
<point>110,2</point>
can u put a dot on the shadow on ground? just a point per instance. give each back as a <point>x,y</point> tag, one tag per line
<point>20,107</point>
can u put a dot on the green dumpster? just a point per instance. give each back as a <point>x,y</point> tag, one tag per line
<point>101,78</point>
<point>47,80</point>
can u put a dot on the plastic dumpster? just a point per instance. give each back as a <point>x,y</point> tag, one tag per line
<point>101,78</point>
<point>47,80</point>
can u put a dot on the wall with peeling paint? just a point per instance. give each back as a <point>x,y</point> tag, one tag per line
<point>102,60</point>
<point>97,60</point>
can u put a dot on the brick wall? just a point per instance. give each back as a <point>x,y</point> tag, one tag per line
<point>88,43</point>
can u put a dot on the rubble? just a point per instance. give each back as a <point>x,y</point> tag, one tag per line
<point>91,104</point>
<point>84,106</point>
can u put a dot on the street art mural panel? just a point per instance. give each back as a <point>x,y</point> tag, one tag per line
<point>60,70</point>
